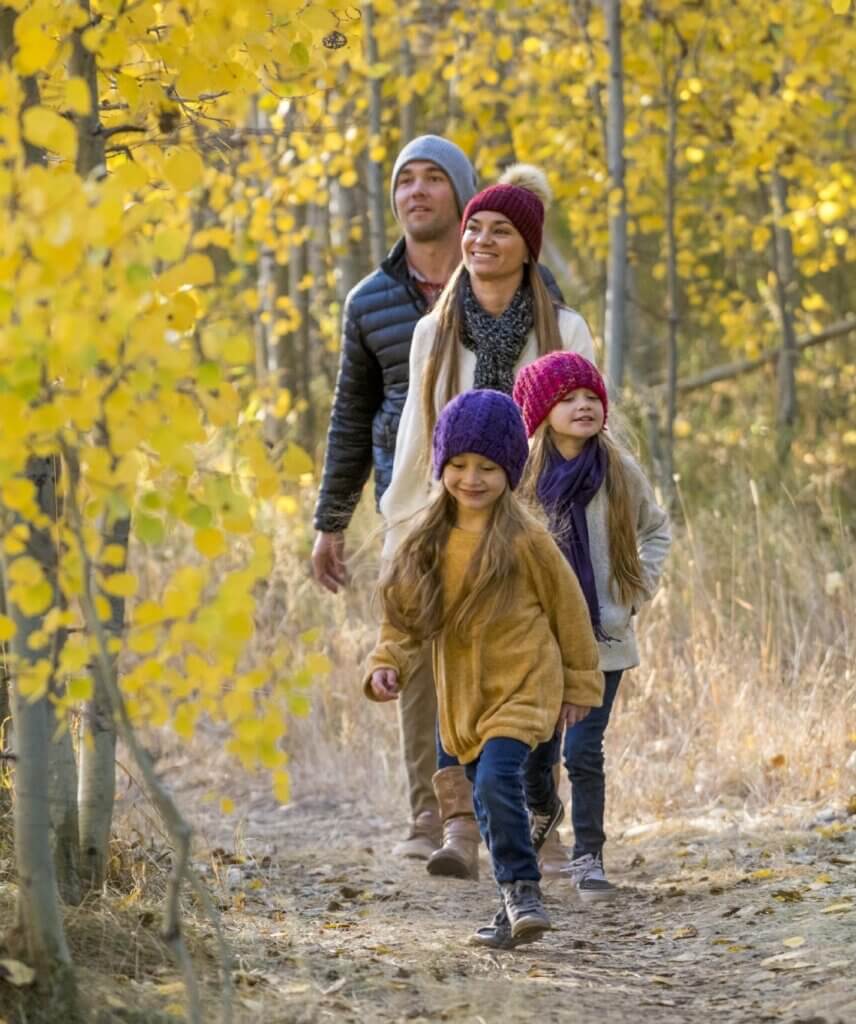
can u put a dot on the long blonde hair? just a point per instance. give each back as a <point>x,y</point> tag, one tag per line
<point>444,356</point>
<point>411,590</point>
<point>621,528</point>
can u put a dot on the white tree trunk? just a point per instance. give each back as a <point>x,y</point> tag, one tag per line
<point>614,320</point>
<point>375,179</point>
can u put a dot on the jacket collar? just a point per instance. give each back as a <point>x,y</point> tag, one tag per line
<point>395,265</point>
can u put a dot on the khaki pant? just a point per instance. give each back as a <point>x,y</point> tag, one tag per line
<point>417,719</point>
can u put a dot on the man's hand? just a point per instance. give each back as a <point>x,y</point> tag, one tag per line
<point>385,684</point>
<point>328,561</point>
<point>571,714</point>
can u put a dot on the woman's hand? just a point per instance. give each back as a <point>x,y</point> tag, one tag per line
<point>571,714</point>
<point>385,685</point>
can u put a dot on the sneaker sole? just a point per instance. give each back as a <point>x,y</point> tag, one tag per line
<point>528,931</point>
<point>597,894</point>
<point>449,867</point>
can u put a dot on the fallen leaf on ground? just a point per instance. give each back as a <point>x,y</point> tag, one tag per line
<point>787,895</point>
<point>837,908</point>
<point>687,932</point>
<point>16,973</point>
<point>761,874</point>
<point>794,941</point>
<point>658,979</point>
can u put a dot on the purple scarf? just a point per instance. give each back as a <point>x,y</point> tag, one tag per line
<point>564,489</point>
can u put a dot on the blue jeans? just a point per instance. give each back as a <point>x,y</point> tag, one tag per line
<point>444,760</point>
<point>500,806</point>
<point>584,762</point>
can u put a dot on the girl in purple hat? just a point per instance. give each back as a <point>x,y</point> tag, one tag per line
<point>514,654</point>
<point>606,520</point>
<point>495,315</point>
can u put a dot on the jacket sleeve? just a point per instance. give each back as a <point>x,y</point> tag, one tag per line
<point>393,649</point>
<point>576,336</point>
<point>410,485</point>
<point>348,457</point>
<point>653,532</point>
<point>562,598</point>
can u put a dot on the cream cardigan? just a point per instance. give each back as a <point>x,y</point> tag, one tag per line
<point>410,487</point>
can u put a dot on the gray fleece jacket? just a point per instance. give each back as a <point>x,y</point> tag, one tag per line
<point>655,537</point>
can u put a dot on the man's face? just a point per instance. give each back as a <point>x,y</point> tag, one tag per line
<point>425,201</point>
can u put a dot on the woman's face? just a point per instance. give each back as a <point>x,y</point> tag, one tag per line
<point>492,247</point>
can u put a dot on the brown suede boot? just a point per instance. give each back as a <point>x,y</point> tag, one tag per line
<point>425,836</point>
<point>459,855</point>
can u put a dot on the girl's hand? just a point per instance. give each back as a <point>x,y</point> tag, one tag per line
<point>571,714</point>
<point>385,684</point>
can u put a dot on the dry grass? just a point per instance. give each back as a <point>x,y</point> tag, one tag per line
<point>746,695</point>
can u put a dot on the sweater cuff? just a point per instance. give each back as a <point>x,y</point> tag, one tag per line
<point>386,655</point>
<point>583,687</point>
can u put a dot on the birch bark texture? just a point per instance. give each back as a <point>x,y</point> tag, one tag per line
<point>616,271</point>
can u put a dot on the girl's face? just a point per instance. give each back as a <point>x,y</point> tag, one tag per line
<point>492,247</point>
<point>474,481</point>
<point>577,416</point>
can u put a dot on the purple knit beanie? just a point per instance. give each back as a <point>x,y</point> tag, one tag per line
<point>485,422</point>
<point>540,385</point>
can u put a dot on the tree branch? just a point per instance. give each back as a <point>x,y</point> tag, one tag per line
<point>738,368</point>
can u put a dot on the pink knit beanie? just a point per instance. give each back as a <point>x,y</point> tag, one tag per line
<point>521,195</point>
<point>540,385</point>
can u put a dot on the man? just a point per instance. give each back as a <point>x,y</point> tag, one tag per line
<point>432,181</point>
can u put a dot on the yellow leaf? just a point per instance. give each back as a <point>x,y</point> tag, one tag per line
<point>79,688</point>
<point>318,664</point>
<point>282,786</point>
<point>210,542</point>
<point>504,48</point>
<point>837,908</point>
<point>295,462</point>
<point>47,130</point>
<point>7,628</point>
<point>120,584</point>
<point>840,6</point>
<point>227,806</point>
<point>794,942</point>
<point>19,495</point>
<point>184,169</point>
<point>184,721</point>
<point>762,873</point>
<point>694,155</point>
<point>33,600</point>
<point>77,97</point>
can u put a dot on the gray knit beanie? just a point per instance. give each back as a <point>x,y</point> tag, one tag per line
<point>451,159</point>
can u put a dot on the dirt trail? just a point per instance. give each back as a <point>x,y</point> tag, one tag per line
<point>716,921</point>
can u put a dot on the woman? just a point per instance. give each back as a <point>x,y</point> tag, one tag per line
<point>494,316</point>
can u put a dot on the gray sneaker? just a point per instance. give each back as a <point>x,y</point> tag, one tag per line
<point>497,934</point>
<point>588,876</point>
<point>526,913</point>
<point>542,825</point>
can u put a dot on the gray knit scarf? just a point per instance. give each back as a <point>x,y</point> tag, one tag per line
<point>496,340</point>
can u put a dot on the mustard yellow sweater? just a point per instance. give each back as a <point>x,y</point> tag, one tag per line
<point>510,679</point>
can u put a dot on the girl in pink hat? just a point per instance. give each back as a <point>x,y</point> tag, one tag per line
<point>605,518</point>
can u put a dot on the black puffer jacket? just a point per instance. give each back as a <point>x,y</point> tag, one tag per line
<point>379,316</point>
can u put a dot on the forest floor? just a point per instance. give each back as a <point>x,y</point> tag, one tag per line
<point>719,917</point>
